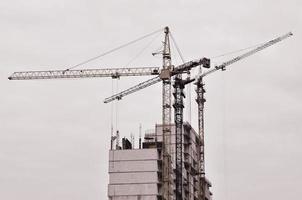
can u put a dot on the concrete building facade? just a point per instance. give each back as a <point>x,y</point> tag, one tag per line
<point>136,174</point>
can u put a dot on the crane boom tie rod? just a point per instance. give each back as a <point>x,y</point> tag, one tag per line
<point>247,54</point>
<point>115,49</point>
<point>90,73</point>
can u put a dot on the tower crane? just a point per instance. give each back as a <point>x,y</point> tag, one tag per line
<point>179,85</point>
<point>163,74</point>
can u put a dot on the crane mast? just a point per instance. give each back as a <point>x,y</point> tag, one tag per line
<point>179,85</point>
<point>166,116</point>
<point>200,102</point>
<point>178,119</point>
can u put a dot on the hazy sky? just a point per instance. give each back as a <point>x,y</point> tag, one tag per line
<point>55,134</point>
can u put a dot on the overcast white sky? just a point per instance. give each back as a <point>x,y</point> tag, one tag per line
<point>55,134</point>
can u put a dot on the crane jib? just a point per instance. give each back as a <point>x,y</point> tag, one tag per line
<point>247,54</point>
<point>85,73</point>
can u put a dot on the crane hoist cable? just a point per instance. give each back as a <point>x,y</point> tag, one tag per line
<point>117,107</point>
<point>114,114</point>
<point>115,49</point>
<point>224,138</point>
<point>117,83</point>
<point>111,115</point>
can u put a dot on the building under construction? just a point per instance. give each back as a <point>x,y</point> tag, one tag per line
<point>136,173</point>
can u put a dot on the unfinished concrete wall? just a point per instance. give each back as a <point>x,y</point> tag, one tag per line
<point>133,174</point>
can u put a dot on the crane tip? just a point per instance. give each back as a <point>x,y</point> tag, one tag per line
<point>166,29</point>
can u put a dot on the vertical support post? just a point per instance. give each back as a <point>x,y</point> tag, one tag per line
<point>178,118</point>
<point>117,143</point>
<point>200,101</point>
<point>166,109</point>
<point>140,137</point>
<point>111,138</point>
